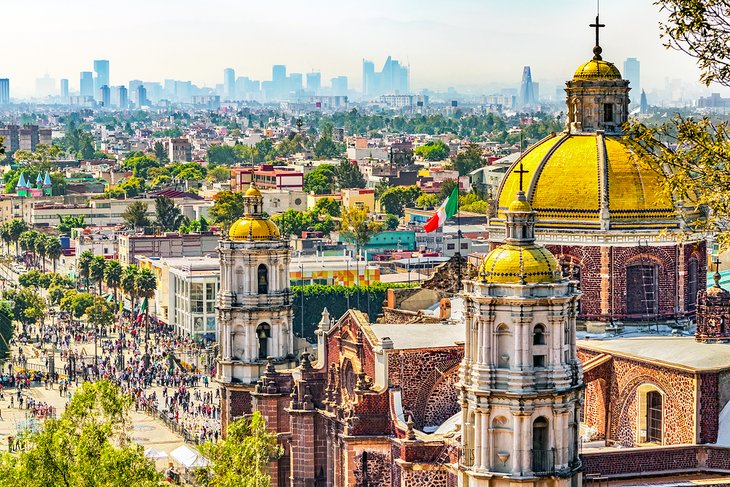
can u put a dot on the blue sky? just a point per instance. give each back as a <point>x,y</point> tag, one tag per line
<point>462,43</point>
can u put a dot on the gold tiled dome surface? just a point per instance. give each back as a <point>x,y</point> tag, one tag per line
<point>252,228</point>
<point>512,264</point>
<point>568,176</point>
<point>597,69</point>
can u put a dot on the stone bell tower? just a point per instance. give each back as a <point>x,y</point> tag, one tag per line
<point>254,306</point>
<point>520,378</point>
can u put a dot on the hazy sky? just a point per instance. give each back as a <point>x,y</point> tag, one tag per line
<point>461,43</point>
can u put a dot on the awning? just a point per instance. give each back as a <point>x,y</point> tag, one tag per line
<point>154,454</point>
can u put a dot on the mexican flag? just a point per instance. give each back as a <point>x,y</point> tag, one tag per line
<point>447,209</point>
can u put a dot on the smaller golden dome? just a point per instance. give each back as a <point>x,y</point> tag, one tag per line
<point>597,69</point>
<point>253,192</point>
<point>520,205</point>
<point>514,264</point>
<point>253,228</point>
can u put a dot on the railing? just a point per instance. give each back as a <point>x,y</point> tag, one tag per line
<point>543,462</point>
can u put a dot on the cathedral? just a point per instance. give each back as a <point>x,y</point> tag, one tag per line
<point>497,390</point>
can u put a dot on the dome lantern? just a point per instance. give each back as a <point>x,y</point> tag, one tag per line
<point>254,225</point>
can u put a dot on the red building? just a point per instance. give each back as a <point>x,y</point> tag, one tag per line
<point>266,176</point>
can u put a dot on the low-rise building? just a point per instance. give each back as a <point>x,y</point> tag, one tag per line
<point>168,245</point>
<point>179,150</point>
<point>342,270</point>
<point>267,176</point>
<point>358,198</point>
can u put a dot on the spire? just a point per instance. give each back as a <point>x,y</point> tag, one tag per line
<point>47,181</point>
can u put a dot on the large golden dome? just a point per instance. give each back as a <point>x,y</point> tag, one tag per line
<point>253,228</point>
<point>597,69</point>
<point>589,181</point>
<point>514,264</point>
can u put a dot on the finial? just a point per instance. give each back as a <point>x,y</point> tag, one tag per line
<point>597,25</point>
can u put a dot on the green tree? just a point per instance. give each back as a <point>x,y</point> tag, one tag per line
<point>113,276</point>
<point>243,457</point>
<point>160,152</point>
<point>168,215</point>
<point>348,175</point>
<point>395,200</point>
<point>291,222</point>
<point>468,160</point>
<point>28,305</point>
<point>96,270</point>
<point>100,314</point>
<point>434,150</point>
<point>84,266</point>
<point>53,250</point>
<point>68,222</point>
<point>227,208</point>
<point>76,303</point>
<point>321,180</point>
<point>17,227</point>
<point>327,206</point>
<point>40,248</point>
<point>27,242</point>
<point>428,201</point>
<point>136,215</point>
<point>128,283</point>
<point>357,227</point>
<point>6,235</point>
<point>145,284</point>
<point>219,174</point>
<point>391,222</point>
<point>222,154</point>
<point>447,187</point>
<point>88,445</point>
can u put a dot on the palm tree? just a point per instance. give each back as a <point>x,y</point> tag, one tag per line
<point>83,264</point>
<point>53,249</point>
<point>146,284</point>
<point>113,276</point>
<point>136,215</point>
<point>168,215</point>
<point>17,227</point>
<point>96,270</point>
<point>128,283</point>
<point>27,242</point>
<point>5,234</point>
<point>40,248</point>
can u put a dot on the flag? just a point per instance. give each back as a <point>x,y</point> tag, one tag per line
<point>143,308</point>
<point>447,209</point>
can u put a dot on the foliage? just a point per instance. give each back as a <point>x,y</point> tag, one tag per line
<point>357,227</point>
<point>447,187</point>
<point>468,160</point>
<point>294,222</point>
<point>84,264</point>
<point>145,283</point>
<point>136,215</point>
<point>381,187</point>
<point>396,199</point>
<point>433,150</point>
<point>327,206</point>
<point>219,174</point>
<point>194,226</point>
<point>325,147</point>
<point>87,445</point>
<point>222,154</point>
<point>168,216</point>
<point>321,180</point>
<point>6,328</point>
<point>128,281</point>
<point>28,305</point>
<point>335,299</point>
<point>68,222</point>
<point>96,270</point>
<point>243,456</point>
<point>428,201</point>
<point>113,276</point>
<point>391,222</point>
<point>100,314</point>
<point>227,208</point>
<point>76,303</point>
<point>140,165</point>
<point>348,175</point>
<point>160,152</point>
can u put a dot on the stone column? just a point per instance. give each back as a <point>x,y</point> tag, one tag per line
<point>517,443</point>
<point>477,439</point>
<point>486,435</point>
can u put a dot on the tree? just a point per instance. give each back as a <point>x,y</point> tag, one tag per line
<point>96,270</point>
<point>168,216</point>
<point>53,250</point>
<point>381,187</point>
<point>395,200</point>
<point>327,206</point>
<point>145,284</point>
<point>434,150</point>
<point>227,208</point>
<point>291,222</point>
<point>28,305</point>
<point>128,283</point>
<point>222,154</point>
<point>391,222</point>
<point>76,303</point>
<point>219,174</point>
<point>321,180</point>
<point>68,222</point>
<point>84,265</point>
<point>447,187</point>
<point>113,276</point>
<point>243,457</point>
<point>468,160</point>
<point>27,242</point>
<point>348,175</point>
<point>6,235</point>
<point>357,227</point>
<point>100,314</point>
<point>325,147</point>
<point>88,445</point>
<point>17,227</point>
<point>136,215</point>
<point>40,248</point>
<point>160,152</point>
<point>428,201</point>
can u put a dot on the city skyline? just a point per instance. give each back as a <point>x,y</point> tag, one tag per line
<point>250,39</point>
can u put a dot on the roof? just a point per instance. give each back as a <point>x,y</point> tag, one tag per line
<point>412,336</point>
<point>597,69</point>
<point>679,352</point>
<point>173,193</point>
<point>514,264</point>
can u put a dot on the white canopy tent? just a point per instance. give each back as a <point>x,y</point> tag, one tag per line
<point>188,457</point>
<point>154,454</point>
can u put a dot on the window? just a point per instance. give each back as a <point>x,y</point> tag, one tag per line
<point>654,417</point>
<point>263,333</point>
<point>538,361</point>
<point>210,291</point>
<point>538,335</point>
<point>608,112</point>
<point>263,279</point>
<point>503,346</point>
<point>464,246</point>
<point>210,325</point>
<point>450,246</point>
<point>541,454</point>
<point>198,323</point>
<point>641,289</point>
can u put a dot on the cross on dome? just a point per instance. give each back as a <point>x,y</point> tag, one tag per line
<point>521,171</point>
<point>597,25</point>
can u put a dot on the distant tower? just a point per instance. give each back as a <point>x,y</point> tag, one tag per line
<point>527,92</point>
<point>229,84</point>
<point>4,91</point>
<point>368,78</point>
<point>254,305</point>
<point>520,378</point>
<point>105,96</point>
<point>101,67</point>
<point>632,72</point>
<point>644,107</point>
<point>64,88</point>
<point>123,97</point>
<point>86,84</point>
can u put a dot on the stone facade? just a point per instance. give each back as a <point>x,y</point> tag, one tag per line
<point>713,314</point>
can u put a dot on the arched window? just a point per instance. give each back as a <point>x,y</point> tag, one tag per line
<point>692,267</point>
<point>642,289</point>
<point>263,279</point>
<point>503,339</point>
<point>542,460</point>
<point>263,333</point>
<point>538,335</point>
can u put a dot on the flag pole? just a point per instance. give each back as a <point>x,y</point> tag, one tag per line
<point>458,239</point>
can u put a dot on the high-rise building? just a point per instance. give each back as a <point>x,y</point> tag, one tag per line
<point>392,80</point>
<point>527,92</point>
<point>279,81</point>
<point>4,91</point>
<point>229,84</point>
<point>105,96</point>
<point>123,97</point>
<point>142,97</point>
<point>64,88</point>
<point>632,72</point>
<point>86,84</point>
<point>101,68</point>
<point>45,86</point>
<point>314,82</point>
<point>644,105</point>
<point>295,82</point>
<point>339,85</point>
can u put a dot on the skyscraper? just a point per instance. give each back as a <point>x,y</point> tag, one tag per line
<point>123,97</point>
<point>279,81</point>
<point>644,104</point>
<point>368,77</point>
<point>393,79</point>
<point>101,68</point>
<point>314,82</point>
<point>295,82</point>
<point>64,88</point>
<point>339,85</point>
<point>86,84</point>
<point>632,72</point>
<point>105,96</point>
<point>527,92</point>
<point>229,84</point>
<point>142,97</point>
<point>4,91</point>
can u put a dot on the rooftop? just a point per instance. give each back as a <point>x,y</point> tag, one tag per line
<point>678,352</point>
<point>412,336</point>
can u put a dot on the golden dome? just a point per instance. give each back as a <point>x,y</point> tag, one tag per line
<point>520,206</point>
<point>572,182</point>
<point>513,264</point>
<point>253,192</point>
<point>253,228</point>
<point>597,69</point>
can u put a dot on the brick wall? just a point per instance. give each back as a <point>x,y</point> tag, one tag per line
<point>709,407</point>
<point>643,462</point>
